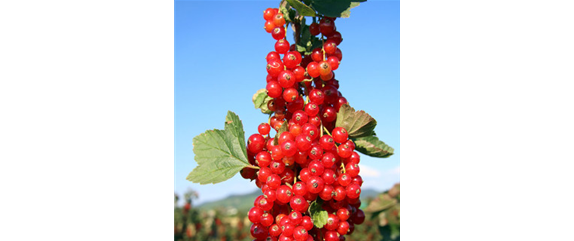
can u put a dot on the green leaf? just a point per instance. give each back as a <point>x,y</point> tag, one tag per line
<point>372,146</point>
<point>220,154</point>
<point>357,123</point>
<point>284,8</point>
<point>305,36</point>
<point>284,127</point>
<point>260,100</point>
<point>303,9</point>
<point>347,13</point>
<point>335,8</point>
<point>318,214</point>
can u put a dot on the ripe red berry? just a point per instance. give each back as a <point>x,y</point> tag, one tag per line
<point>278,20</point>
<point>329,114</point>
<point>353,190</point>
<point>330,46</point>
<point>315,184</point>
<point>258,231</point>
<point>266,219</point>
<point>332,222</point>
<point>286,79</point>
<point>282,46</point>
<point>314,29</point>
<point>317,96</point>
<point>317,55</point>
<point>269,26</point>
<point>311,109</point>
<point>333,62</point>
<point>278,33</point>
<point>313,69</point>
<point>303,142</point>
<point>326,26</point>
<point>290,94</point>
<point>283,194</point>
<point>269,13</point>
<point>255,143</point>
<point>292,59</point>
<point>263,128</point>
<point>298,203</point>
<point>340,134</point>
<point>275,67</point>
<point>255,214</point>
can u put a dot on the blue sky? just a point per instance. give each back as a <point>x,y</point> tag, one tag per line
<point>220,49</point>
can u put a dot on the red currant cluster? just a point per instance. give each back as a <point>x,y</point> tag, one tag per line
<point>310,160</point>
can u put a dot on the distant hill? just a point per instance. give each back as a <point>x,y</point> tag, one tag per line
<point>244,202</point>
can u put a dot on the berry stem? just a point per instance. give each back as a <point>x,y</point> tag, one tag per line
<point>253,167</point>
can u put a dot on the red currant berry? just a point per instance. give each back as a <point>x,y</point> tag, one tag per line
<point>276,153</point>
<point>330,46</point>
<point>313,69</point>
<point>343,227</point>
<point>278,33</point>
<point>315,184</point>
<point>269,26</point>
<point>353,191</point>
<point>258,231</point>
<point>272,55</point>
<point>298,203</point>
<point>282,46</point>
<point>331,236</point>
<point>344,179</point>
<point>304,174</point>
<point>326,142</point>
<point>311,130</point>
<point>299,73</point>
<point>283,194</point>
<point>255,143</point>
<point>329,114</point>
<point>274,230</point>
<point>316,152</point>
<point>307,223</point>
<point>352,169</point>
<point>292,59</point>
<point>332,222</point>
<point>277,167</point>
<point>269,13</point>
<point>344,150</point>
<point>311,109</point>
<point>303,142</point>
<point>263,128</point>
<point>289,148</point>
<point>340,134</point>
<point>299,188</point>
<point>275,67</point>
<point>358,180</point>
<point>340,193</point>
<point>314,29</point>
<point>266,219</point>
<point>290,94</point>
<point>327,193</point>
<point>358,217</point>
<point>315,121</point>
<point>255,214</point>
<point>326,26</point>
<point>263,159</point>
<point>273,181</point>
<point>316,167</point>
<point>333,62</point>
<point>317,55</point>
<point>329,176</point>
<point>317,96</point>
<point>278,19</point>
<point>300,233</point>
<point>265,205</point>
